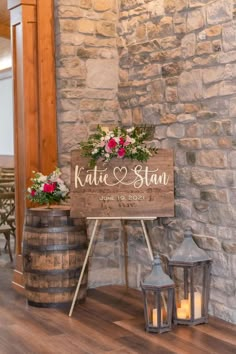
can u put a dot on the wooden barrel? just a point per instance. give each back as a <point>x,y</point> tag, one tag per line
<point>53,253</point>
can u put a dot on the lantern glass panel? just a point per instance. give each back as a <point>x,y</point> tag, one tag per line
<point>191,296</point>
<point>159,309</point>
<point>158,291</point>
<point>190,268</point>
<point>183,295</point>
<point>152,308</point>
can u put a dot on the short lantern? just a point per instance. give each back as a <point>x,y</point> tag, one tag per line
<point>158,292</point>
<point>189,267</point>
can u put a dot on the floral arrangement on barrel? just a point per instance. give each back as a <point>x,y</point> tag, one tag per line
<point>118,142</point>
<point>47,190</point>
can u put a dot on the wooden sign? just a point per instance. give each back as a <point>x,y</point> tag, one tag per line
<point>123,187</point>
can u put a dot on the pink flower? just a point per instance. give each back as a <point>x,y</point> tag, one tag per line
<point>107,149</point>
<point>122,141</point>
<point>128,140</point>
<point>121,152</point>
<point>33,192</point>
<point>112,143</point>
<point>49,188</point>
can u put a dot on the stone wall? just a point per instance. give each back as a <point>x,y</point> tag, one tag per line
<point>177,71</point>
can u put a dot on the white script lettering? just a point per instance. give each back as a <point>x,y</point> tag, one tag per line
<point>141,177</point>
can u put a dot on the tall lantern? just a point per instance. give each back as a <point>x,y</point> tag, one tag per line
<point>158,292</point>
<point>189,267</point>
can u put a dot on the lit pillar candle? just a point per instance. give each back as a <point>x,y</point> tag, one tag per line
<point>185,305</point>
<point>155,317</point>
<point>197,304</point>
<point>181,313</point>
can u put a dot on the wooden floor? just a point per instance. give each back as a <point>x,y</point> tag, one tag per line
<point>111,321</point>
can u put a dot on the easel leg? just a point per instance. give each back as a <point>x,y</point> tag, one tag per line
<point>147,239</point>
<point>83,268</point>
<point>125,254</point>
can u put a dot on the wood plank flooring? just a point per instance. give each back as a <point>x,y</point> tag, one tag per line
<point>110,321</point>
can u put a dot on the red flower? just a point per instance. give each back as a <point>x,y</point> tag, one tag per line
<point>112,143</point>
<point>122,141</point>
<point>33,192</point>
<point>121,152</point>
<point>49,188</point>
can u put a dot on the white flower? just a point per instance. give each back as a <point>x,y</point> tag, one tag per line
<point>53,178</point>
<point>129,139</point>
<point>130,130</point>
<point>42,178</point>
<point>94,151</point>
<point>64,190</point>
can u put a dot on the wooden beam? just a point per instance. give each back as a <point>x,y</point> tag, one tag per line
<point>5,31</point>
<point>47,86</point>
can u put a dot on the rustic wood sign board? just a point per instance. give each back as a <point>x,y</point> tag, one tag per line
<point>122,187</point>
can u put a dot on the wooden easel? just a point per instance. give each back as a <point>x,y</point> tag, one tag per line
<point>97,219</point>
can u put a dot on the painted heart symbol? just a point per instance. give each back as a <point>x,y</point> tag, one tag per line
<point>120,173</point>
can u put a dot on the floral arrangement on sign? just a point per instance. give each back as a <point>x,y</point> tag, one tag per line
<point>118,142</point>
<point>47,189</point>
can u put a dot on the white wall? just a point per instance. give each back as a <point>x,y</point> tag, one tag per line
<point>6,113</point>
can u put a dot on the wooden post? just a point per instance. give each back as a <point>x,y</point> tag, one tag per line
<point>35,135</point>
<point>46,86</point>
<point>32,36</point>
<point>25,78</point>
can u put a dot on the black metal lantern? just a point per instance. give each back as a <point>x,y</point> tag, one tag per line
<point>158,292</point>
<point>190,267</point>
